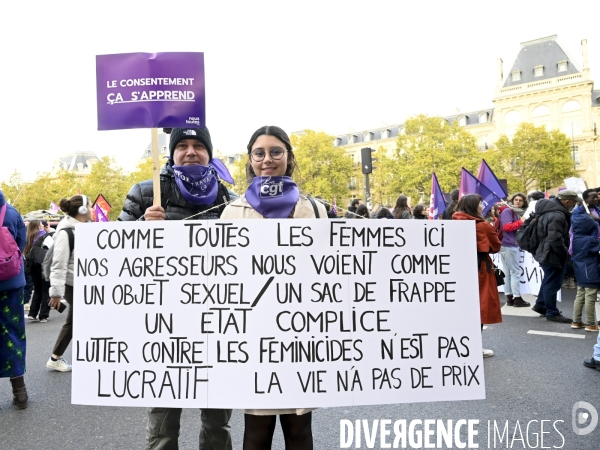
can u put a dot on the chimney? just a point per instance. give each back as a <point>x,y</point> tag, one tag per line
<point>585,55</point>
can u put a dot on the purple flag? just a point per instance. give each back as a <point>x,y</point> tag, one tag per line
<point>100,217</point>
<point>468,183</point>
<point>437,203</point>
<point>473,186</point>
<point>150,90</point>
<point>486,176</point>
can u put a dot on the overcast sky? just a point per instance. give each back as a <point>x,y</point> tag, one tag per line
<point>324,65</point>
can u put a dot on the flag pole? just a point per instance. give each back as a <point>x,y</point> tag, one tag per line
<point>155,167</point>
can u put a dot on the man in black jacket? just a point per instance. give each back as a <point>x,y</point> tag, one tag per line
<point>552,228</point>
<point>188,147</point>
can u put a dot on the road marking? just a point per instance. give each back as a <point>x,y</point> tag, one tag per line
<point>551,333</point>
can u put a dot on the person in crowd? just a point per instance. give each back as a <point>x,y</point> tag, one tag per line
<point>270,157</point>
<point>470,208</point>
<point>384,213</point>
<point>77,209</point>
<point>363,211</point>
<point>12,318</point>
<point>552,230</point>
<point>585,246</point>
<point>402,210</point>
<point>330,212</point>
<point>511,219</point>
<point>532,199</point>
<point>354,204</point>
<point>34,255</point>
<point>451,209</point>
<point>420,212</point>
<point>191,158</point>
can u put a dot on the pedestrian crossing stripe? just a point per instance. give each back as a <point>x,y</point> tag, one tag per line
<point>551,333</point>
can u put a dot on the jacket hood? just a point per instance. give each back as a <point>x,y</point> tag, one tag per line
<point>584,225</point>
<point>67,222</point>
<point>2,199</point>
<point>544,206</point>
<point>464,216</point>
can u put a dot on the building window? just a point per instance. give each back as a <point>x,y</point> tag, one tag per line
<point>462,121</point>
<point>368,136</point>
<point>483,117</point>
<point>352,184</point>
<point>538,71</point>
<point>385,134</point>
<point>575,150</point>
<point>336,142</point>
<point>516,75</point>
<point>562,66</point>
<point>351,139</point>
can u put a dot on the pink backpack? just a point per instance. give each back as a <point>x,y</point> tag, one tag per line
<point>10,255</point>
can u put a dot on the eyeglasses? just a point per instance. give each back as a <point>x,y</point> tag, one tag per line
<point>259,154</point>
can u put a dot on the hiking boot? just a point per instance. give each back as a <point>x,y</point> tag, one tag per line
<point>591,327</point>
<point>539,309</point>
<point>19,392</point>
<point>559,318</point>
<point>509,300</point>
<point>519,302</point>
<point>578,325</point>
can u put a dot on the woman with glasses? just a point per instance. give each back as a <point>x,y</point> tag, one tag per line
<point>269,169</point>
<point>469,208</point>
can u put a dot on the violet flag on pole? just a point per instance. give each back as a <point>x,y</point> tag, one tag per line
<point>437,203</point>
<point>487,176</point>
<point>100,217</point>
<point>468,183</point>
<point>473,186</point>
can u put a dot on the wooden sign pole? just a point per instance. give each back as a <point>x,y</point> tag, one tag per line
<point>155,167</point>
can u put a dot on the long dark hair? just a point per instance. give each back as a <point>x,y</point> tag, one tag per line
<point>469,204</point>
<point>363,211</point>
<point>401,206</point>
<point>271,130</point>
<point>33,231</point>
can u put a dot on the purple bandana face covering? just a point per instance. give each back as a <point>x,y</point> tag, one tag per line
<point>273,197</point>
<point>198,184</point>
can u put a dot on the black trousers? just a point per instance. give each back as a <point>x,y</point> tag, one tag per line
<point>41,294</point>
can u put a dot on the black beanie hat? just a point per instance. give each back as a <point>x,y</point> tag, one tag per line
<point>202,134</point>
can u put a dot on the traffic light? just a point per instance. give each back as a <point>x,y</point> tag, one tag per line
<point>366,160</point>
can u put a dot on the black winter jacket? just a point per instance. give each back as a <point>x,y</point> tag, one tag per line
<point>552,228</point>
<point>141,197</point>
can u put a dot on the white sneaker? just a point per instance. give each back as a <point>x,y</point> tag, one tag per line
<point>487,353</point>
<point>62,365</point>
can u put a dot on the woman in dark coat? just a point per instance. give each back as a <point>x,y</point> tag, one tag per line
<point>12,316</point>
<point>469,208</point>
<point>587,272</point>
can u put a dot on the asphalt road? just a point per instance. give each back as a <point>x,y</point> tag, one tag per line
<point>531,378</point>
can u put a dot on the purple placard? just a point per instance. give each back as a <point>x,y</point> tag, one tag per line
<point>150,90</point>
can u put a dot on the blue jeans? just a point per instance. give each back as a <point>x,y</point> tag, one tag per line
<point>162,432</point>
<point>551,284</point>
<point>512,270</point>
<point>597,349</point>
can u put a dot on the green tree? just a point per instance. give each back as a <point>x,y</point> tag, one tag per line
<point>324,170</point>
<point>533,158</point>
<point>109,179</point>
<point>428,144</point>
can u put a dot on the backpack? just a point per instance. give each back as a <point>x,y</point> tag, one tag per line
<point>527,237</point>
<point>11,259</point>
<point>47,263</point>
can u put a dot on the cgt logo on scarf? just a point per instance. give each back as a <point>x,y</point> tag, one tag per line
<point>271,188</point>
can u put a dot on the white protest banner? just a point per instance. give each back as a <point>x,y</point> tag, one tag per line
<point>531,272</point>
<point>276,313</point>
